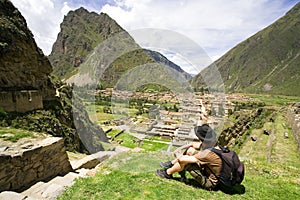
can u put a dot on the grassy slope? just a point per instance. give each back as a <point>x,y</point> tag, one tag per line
<point>13,134</point>
<point>268,58</point>
<point>131,175</point>
<point>275,100</point>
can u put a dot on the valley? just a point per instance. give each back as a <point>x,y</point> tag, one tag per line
<point>93,119</point>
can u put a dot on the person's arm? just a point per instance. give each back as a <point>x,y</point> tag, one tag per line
<point>183,147</point>
<point>195,145</point>
<point>187,159</point>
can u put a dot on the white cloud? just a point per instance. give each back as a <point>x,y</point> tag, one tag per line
<point>43,18</point>
<point>215,25</point>
<point>65,9</point>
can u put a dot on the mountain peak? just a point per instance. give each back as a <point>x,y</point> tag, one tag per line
<point>81,31</point>
<point>81,10</point>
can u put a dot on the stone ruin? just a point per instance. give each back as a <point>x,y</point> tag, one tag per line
<point>21,100</point>
<point>293,116</point>
<point>233,133</point>
<point>35,162</point>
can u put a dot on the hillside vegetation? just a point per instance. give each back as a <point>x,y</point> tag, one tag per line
<point>268,62</point>
<point>95,43</point>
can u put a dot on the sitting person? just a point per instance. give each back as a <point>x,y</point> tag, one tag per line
<point>190,149</point>
<point>204,166</point>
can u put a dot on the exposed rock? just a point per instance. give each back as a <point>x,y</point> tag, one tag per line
<point>266,132</point>
<point>231,135</point>
<point>27,93</point>
<point>3,149</point>
<point>81,32</point>
<point>11,195</point>
<point>46,159</point>
<point>267,62</point>
<point>253,138</point>
<point>286,135</point>
<point>22,64</point>
<point>78,42</point>
<point>64,118</point>
<point>92,160</point>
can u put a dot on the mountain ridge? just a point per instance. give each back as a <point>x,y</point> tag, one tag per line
<point>160,58</point>
<point>80,40</point>
<point>267,62</point>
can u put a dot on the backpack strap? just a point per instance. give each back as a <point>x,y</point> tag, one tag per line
<point>218,152</point>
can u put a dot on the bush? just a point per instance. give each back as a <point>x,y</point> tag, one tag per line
<point>3,114</point>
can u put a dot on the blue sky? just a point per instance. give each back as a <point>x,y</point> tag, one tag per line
<point>215,25</point>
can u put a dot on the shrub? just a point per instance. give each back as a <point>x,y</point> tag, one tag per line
<point>3,114</point>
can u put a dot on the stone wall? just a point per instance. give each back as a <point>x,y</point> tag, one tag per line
<point>233,133</point>
<point>45,160</point>
<point>21,101</point>
<point>293,116</point>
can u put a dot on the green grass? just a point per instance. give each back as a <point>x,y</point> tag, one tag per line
<point>132,142</point>
<point>13,135</point>
<point>131,175</point>
<point>97,115</point>
<point>275,100</point>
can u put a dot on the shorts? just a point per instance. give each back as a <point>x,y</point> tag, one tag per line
<point>197,173</point>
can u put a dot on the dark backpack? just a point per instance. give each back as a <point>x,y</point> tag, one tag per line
<point>233,170</point>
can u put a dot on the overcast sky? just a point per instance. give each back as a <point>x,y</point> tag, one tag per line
<point>215,25</point>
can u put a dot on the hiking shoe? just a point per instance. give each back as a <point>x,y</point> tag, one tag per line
<point>163,174</point>
<point>182,176</point>
<point>166,165</point>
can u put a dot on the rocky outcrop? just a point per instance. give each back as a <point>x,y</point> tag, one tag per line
<point>21,101</point>
<point>23,66</point>
<point>94,44</point>
<point>81,31</point>
<point>28,94</point>
<point>41,161</point>
<point>24,69</point>
<point>62,117</point>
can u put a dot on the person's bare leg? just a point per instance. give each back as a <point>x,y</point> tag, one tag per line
<point>180,163</point>
<point>177,167</point>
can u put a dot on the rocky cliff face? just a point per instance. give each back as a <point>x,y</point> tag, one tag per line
<point>26,89</point>
<point>76,45</point>
<point>22,64</point>
<point>81,31</point>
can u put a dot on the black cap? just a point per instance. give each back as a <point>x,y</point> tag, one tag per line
<point>205,133</point>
